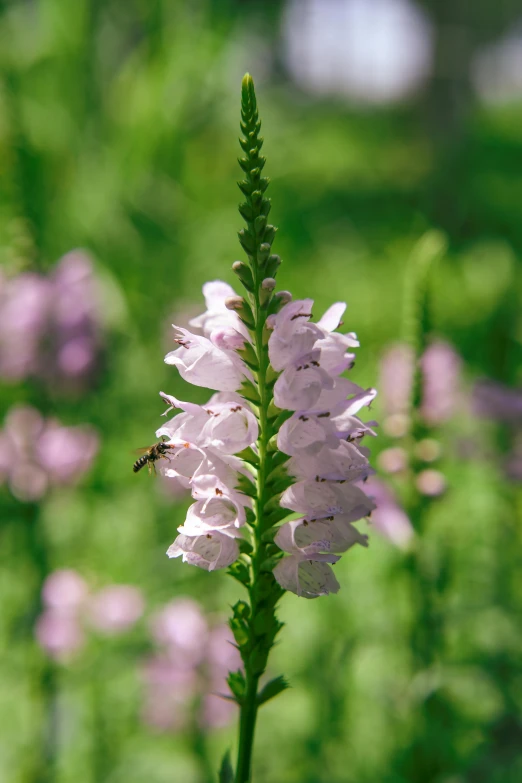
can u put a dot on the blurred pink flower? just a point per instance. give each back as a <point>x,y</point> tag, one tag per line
<point>396,378</point>
<point>389,519</point>
<point>393,460</point>
<point>66,452</point>
<point>441,368</point>
<point>51,327</point>
<point>25,302</point>
<point>65,590</point>
<point>431,483</point>
<point>170,690</point>
<point>182,681</point>
<point>181,627</point>
<point>59,633</point>
<point>36,454</point>
<point>493,400</point>
<point>115,608</point>
<point>222,657</point>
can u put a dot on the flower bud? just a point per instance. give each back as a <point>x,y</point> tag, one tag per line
<point>278,301</point>
<point>259,225</point>
<point>263,252</point>
<point>245,275</point>
<point>284,297</point>
<point>240,306</point>
<point>265,292</point>
<point>234,303</point>
<point>272,264</point>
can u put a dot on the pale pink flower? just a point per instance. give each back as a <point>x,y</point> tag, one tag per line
<point>197,359</point>
<point>320,499</point>
<point>307,574</point>
<point>323,440</point>
<point>319,535</point>
<point>218,317</point>
<point>225,425</point>
<point>344,462</point>
<point>209,551</point>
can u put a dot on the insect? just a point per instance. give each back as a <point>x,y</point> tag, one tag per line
<point>152,454</point>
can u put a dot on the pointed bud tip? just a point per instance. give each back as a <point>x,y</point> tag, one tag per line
<point>234,302</point>
<point>247,82</point>
<point>284,296</point>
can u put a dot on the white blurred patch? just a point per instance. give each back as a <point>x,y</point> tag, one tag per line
<point>372,51</point>
<point>496,70</point>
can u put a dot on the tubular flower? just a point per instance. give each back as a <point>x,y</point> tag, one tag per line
<point>202,441</point>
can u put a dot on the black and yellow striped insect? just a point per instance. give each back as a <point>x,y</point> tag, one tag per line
<point>151,455</point>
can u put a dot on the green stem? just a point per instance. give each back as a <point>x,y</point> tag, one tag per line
<point>247,724</point>
<point>262,589</point>
<point>249,706</point>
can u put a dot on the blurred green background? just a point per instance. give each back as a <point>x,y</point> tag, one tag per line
<point>383,119</point>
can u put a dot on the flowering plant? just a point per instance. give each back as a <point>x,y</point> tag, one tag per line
<point>274,460</point>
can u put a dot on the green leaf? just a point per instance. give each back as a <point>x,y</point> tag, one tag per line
<point>241,572</point>
<point>249,392</point>
<point>272,689</point>
<point>245,486</point>
<point>240,630</point>
<point>226,773</point>
<point>236,683</point>
<point>244,547</point>
<point>241,609</point>
<point>249,455</point>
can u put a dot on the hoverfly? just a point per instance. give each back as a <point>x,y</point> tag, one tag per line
<point>152,454</point>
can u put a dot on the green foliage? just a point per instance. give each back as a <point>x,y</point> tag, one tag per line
<point>272,689</point>
<point>237,684</point>
<point>226,772</point>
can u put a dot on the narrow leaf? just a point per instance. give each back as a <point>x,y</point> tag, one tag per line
<point>226,773</point>
<point>271,689</point>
